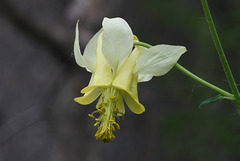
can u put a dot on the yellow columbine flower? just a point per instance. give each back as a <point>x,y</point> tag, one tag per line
<point>116,69</point>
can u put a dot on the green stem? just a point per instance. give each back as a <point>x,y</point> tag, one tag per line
<point>193,76</point>
<point>142,44</point>
<point>221,54</point>
<point>200,80</point>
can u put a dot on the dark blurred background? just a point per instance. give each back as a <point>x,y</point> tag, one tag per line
<point>39,121</point>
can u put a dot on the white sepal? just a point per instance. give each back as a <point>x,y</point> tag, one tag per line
<point>144,77</point>
<point>77,52</point>
<point>117,41</point>
<point>89,53</point>
<point>158,60</point>
<point>87,60</point>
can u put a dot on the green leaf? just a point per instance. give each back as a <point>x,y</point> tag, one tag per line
<point>211,100</point>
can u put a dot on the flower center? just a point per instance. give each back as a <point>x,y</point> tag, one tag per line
<point>108,114</point>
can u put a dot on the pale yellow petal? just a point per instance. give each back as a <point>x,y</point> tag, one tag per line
<point>131,97</point>
<point>90,87</point>
<point>102,76</point>
<point>133,103</point>
<point>100,100</point>
<point>125,71</point>
<point>120,106</point>
<point>133,87</point>
<point>89,97</point>
<point>127,83</point>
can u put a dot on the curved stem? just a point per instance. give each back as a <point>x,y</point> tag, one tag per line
<point>200,80</point>
<point>142,44</point>
<point>193,76</point>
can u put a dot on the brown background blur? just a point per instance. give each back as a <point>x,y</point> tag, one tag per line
<point>39,121</point>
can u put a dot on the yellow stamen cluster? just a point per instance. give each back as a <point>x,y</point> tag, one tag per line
<point>106,122</point>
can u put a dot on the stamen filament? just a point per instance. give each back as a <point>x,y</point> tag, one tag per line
<point>108,112</point>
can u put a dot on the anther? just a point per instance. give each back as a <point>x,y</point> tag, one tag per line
<point>113,128</point>
<point>117,126</point>
<point>97,123</point>
<point>101,110</point>
<point>112,121</point>
<point>99,106</point>
<point>104,103</point>
<point>98,119</point>
<point>115,110</point>
<point>113,97</point>
<point>90,115</point>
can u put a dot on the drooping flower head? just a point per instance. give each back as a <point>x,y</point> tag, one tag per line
<point>117,66</point>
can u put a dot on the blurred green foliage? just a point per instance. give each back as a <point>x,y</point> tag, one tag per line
<point>187,133</point>
<point>200,135</point>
